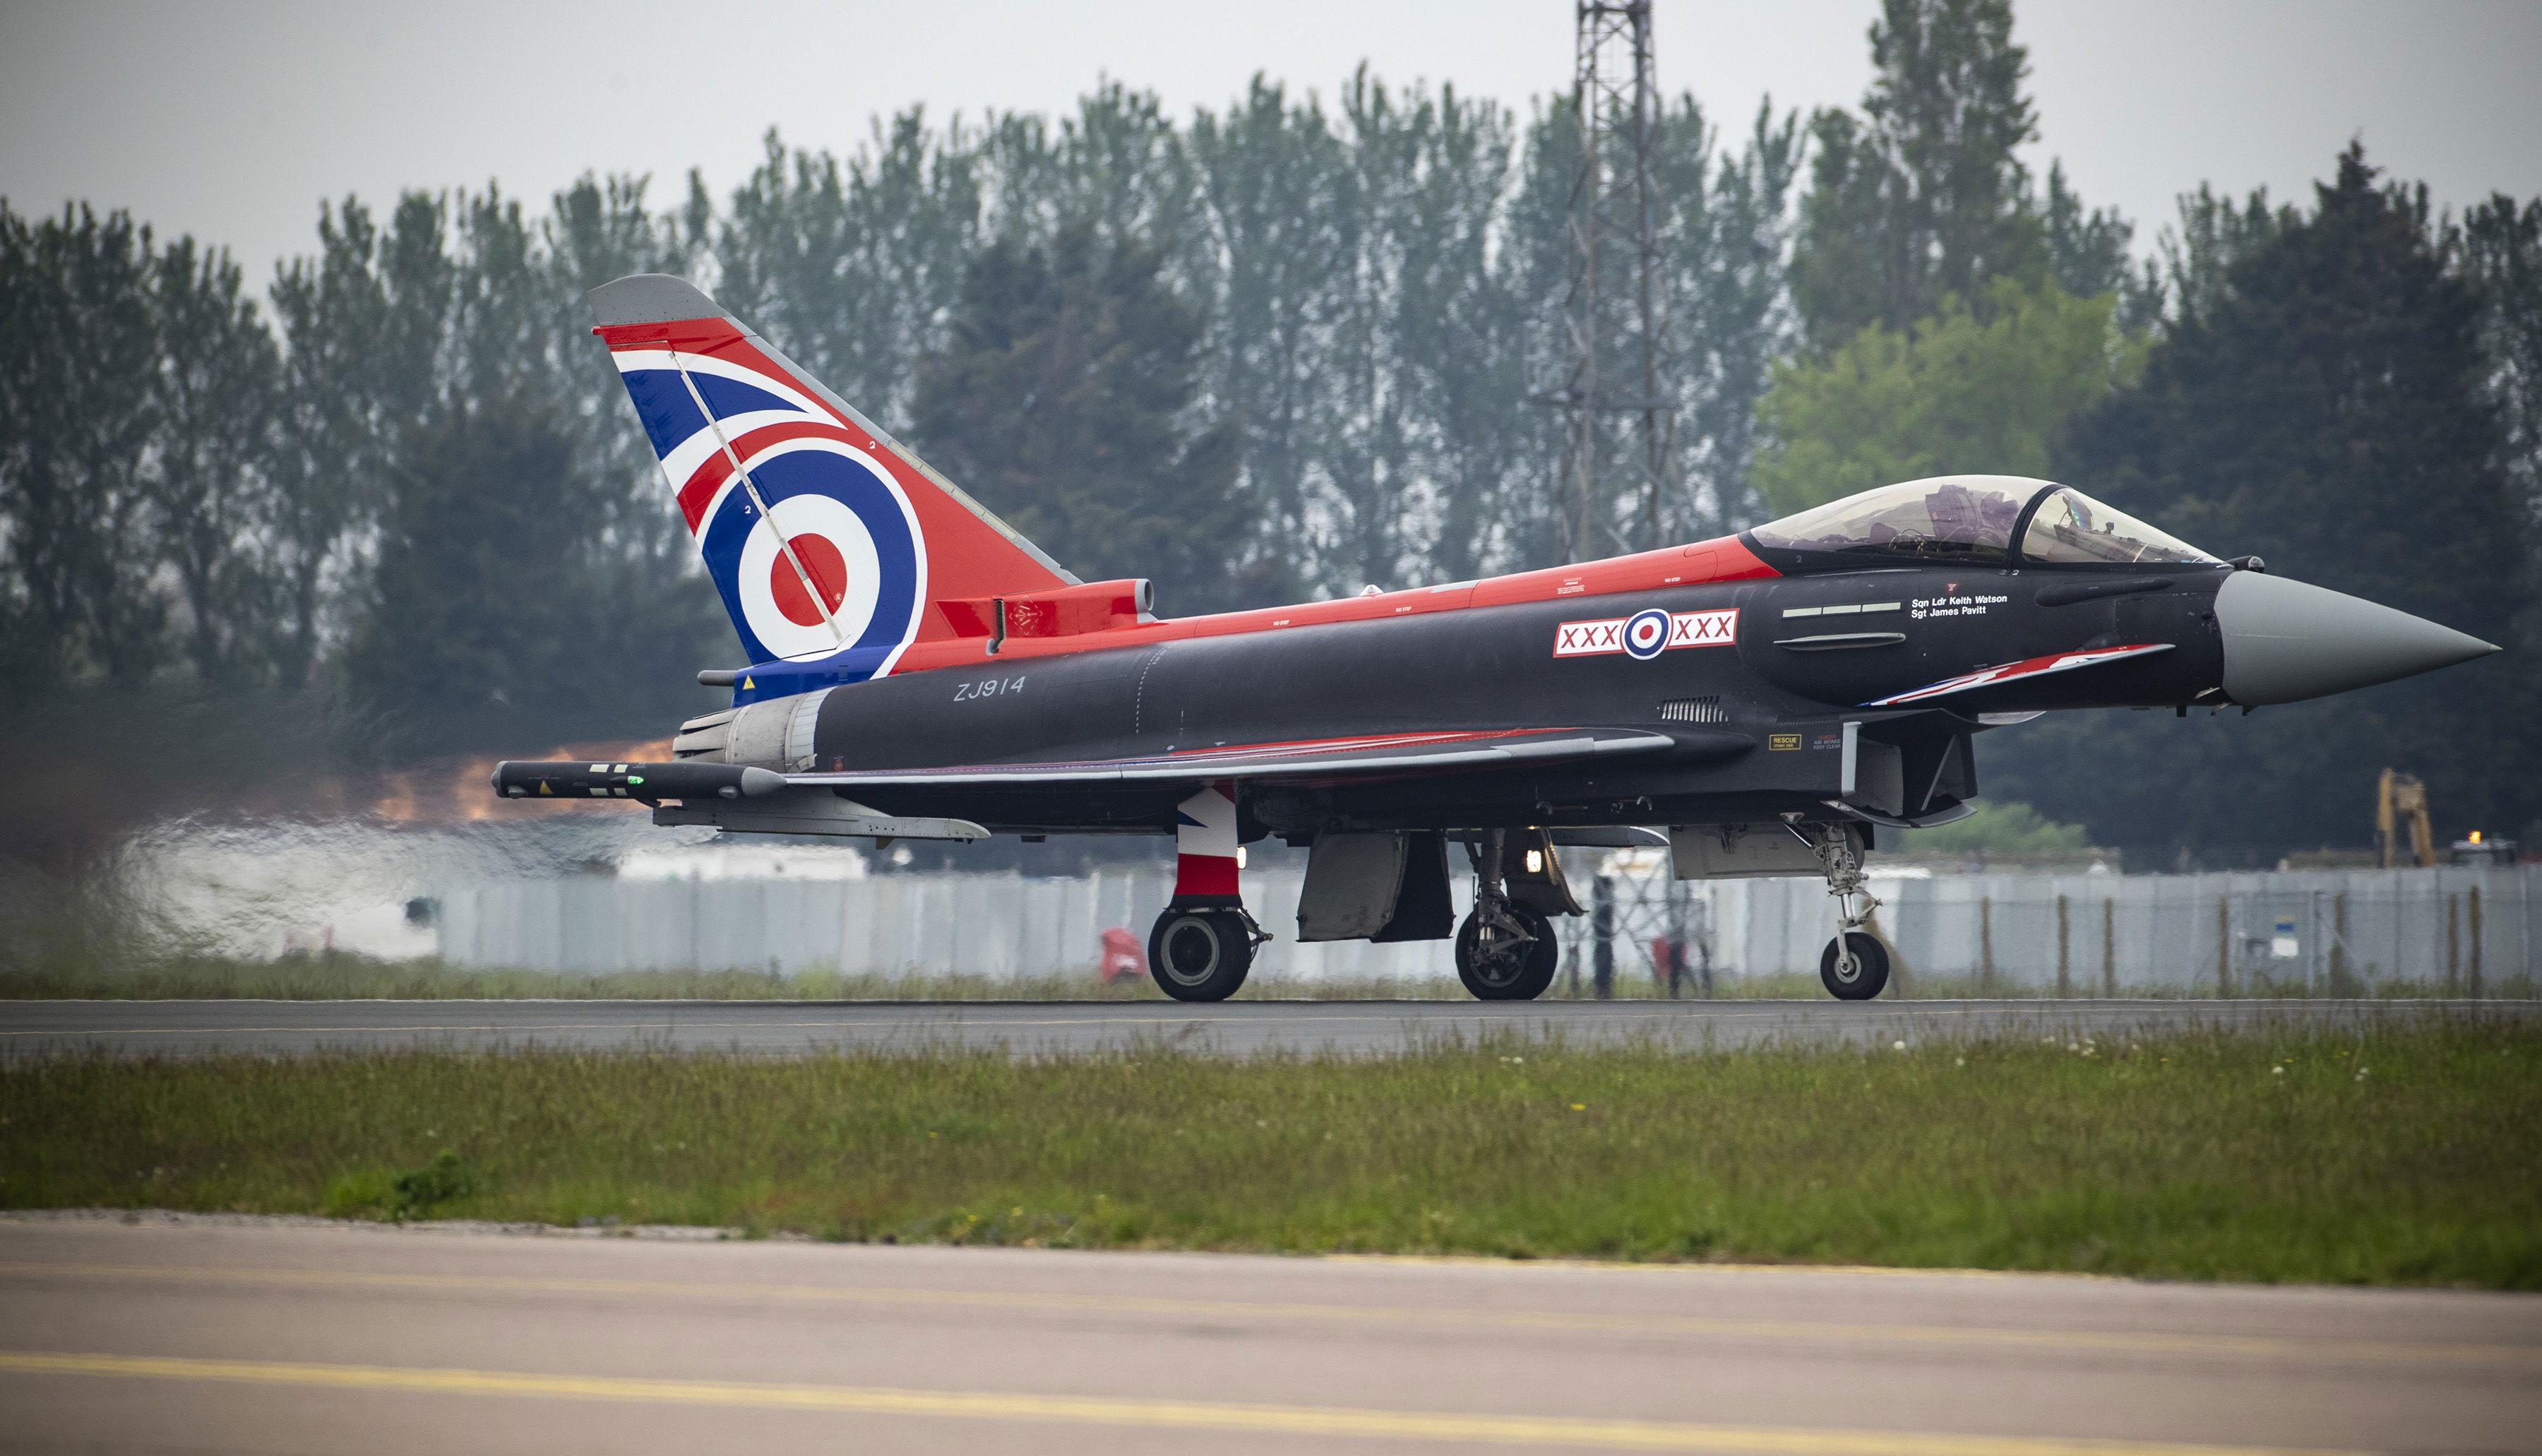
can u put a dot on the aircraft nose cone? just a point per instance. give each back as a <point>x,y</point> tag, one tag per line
<point>2285,641</point>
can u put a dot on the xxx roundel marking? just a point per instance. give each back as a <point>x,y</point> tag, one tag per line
<point>857,538</point>
<point>1646,635</point>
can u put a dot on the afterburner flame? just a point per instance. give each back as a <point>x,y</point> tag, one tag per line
<point>457,789</point>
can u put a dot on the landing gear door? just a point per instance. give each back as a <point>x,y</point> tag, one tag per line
<point>1874,773</point>
<point>1352,881</point>
<point>1424,905</point>
<point>1740,852</point>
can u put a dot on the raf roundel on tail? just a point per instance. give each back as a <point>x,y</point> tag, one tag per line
<point>814,526</point>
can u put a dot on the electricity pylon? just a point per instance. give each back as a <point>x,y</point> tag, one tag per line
<point>1616,306</point>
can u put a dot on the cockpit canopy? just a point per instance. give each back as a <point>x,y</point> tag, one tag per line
<point>1973,519</point>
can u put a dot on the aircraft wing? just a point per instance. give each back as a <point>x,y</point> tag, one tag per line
<point>1319,758</point>
<point>1970,682</point>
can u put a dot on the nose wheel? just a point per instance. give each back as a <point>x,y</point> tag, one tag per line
<point>1506,949</point>
<point>1507,953</point>
<point>1854,966</point>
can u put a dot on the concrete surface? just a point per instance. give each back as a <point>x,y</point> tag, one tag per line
<point>194,1028</point>
<point>204,1338</point>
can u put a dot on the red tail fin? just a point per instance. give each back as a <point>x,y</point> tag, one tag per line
<point>827,537</point>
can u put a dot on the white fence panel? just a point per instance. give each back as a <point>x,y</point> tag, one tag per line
<point>2471,931</point>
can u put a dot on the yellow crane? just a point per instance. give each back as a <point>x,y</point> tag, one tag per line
<point>2400,796</point>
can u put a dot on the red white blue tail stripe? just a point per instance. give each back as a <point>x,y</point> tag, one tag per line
<point>844,568</point>
<point>827,540</point>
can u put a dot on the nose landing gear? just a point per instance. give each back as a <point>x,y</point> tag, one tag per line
<point>1854,966</point>
<point>1506,951</point>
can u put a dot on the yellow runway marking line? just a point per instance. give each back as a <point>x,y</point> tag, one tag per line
<point>1299,1421</point>
<point>1952,1336</point>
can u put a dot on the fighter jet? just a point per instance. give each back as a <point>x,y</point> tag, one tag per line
<point>1762,704</point>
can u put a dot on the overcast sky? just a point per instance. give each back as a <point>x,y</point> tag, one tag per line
<point>232,120</point>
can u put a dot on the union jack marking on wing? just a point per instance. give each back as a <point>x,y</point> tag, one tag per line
<point>1707,629</point>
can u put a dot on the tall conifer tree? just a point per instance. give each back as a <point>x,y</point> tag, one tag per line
<point>1060,401</point>
<point>1924,195</point>
<point>2326,412</point>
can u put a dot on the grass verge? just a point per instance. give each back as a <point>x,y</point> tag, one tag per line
<point>2403,1154</point>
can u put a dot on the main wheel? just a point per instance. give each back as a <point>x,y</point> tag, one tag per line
<point>1865,977</point>
<point>1200,955</point>
<point>1503,967</point>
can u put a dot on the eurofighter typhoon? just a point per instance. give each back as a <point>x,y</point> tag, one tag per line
<point>1763,704</point>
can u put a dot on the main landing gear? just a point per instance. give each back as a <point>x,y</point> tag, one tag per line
<point>1204,943</point>
<point>1202,954</point>
<point>1505,950</point>
<point>1854,966</point>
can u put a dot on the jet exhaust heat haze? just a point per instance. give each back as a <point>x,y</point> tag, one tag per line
<point>1767,702</point>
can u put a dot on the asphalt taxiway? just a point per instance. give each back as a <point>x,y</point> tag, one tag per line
<point>202,1337</point>
<point>1235,1027</point>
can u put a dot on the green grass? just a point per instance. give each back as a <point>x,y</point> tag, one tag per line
<point>2403,1154</point>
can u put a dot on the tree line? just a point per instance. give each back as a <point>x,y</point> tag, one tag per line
<point>1280,350</point>
<point>2347,387</point>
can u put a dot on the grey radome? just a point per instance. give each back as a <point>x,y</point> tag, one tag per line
<point>2285,641</point>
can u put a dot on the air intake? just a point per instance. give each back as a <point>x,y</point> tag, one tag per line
<point>1693,710</point>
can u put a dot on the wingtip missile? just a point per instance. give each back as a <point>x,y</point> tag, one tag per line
<point>649,783</point>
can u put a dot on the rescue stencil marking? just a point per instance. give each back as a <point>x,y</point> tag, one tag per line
<point>1645,634</point>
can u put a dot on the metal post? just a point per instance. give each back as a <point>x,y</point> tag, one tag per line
<point>1615,304</point>
<point>1675,967</point>
<point>2110,947</point>
<point>2339,946</point>
<point>1703,941</point>
<point>2472,986</point>
<point>2224,945</point>
<point>2312,944</point>
<point>2453,947</point>
<point>1986,945</point>
<point>2064,975</point>
<point>1601,928</point>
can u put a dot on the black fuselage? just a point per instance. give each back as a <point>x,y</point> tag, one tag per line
<point>1761,723</point>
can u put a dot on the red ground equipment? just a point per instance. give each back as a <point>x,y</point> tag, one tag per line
<point>1122,956</point>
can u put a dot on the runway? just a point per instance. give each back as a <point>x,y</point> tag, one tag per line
<point>288,1339</point>
<point>1235,1027</point>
